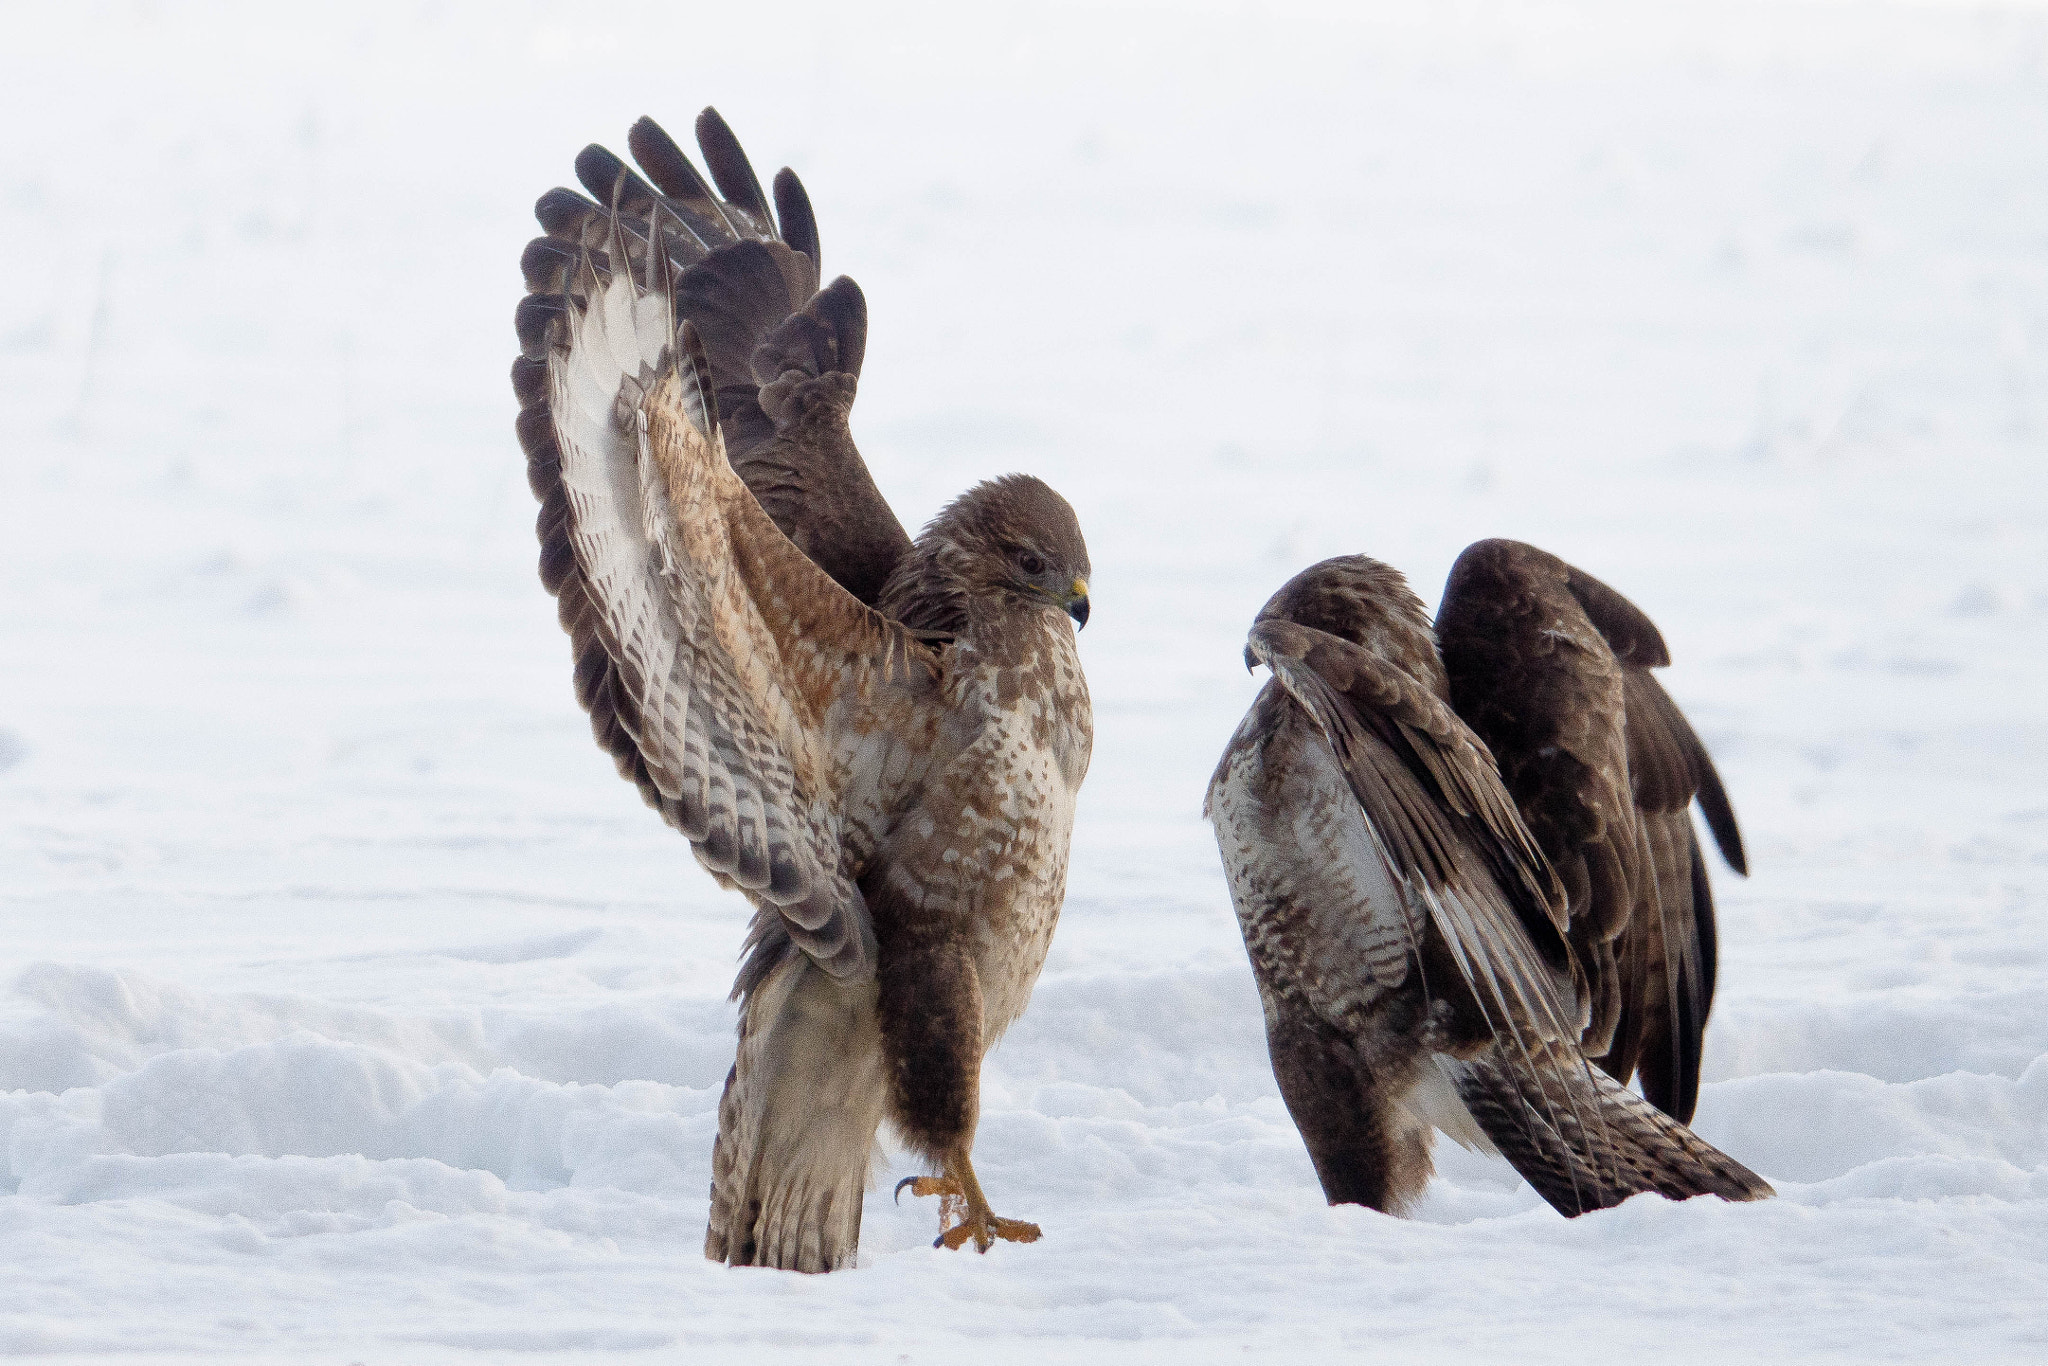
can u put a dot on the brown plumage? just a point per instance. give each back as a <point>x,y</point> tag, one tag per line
<point>1551,668</point>
<point>892,789</point>
<point>1411,940</point>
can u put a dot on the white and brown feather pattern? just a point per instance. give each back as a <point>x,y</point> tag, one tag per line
<point>896,804</point>
<point>1332,926</point>
<point>1017,789</point>
<point>721,685</point>
<point>1629,1147</point>
<point>1443,825</point>
<point>796,1125</point>
<point>986,850</point>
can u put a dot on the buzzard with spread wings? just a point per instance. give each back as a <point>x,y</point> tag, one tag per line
<point>878,741</point>
<point>1460,875</point>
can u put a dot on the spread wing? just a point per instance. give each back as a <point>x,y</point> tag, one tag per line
<point>784,357</point>
<point>1552,669</point>
<point>752,699</point>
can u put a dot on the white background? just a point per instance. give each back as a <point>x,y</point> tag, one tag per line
<point>356,1010</point>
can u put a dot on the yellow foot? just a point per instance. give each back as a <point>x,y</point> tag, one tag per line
<point>960,1218</point>
<point>984,1231</point>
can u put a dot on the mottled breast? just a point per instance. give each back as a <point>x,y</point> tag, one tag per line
<point>1000,811</point>
<point>1322,918</point>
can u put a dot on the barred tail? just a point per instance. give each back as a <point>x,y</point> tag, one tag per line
<point>1585,1141</point>
<point>796,1126</point>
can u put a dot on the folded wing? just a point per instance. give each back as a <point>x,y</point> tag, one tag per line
<point>1481,913</point>
<point>1475,905</point>
<point>1667,954</point>
<point>1552,670</point>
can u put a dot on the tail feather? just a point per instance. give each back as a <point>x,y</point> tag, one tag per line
<point>796,1125</point>
<point>1631,1147</point>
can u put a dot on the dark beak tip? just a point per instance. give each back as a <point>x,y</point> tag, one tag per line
<point>1078,610</point>
<point>1251,661</point>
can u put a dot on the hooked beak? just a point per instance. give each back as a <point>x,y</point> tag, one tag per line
<point>1251,661</point>
<point>1077,603</point>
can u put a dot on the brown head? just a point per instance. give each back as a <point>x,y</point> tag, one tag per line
<point>1011,538</point>
<point>1354,598</point>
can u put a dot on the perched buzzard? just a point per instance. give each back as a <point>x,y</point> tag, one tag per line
<point>878,741</point>
<point>1412,929</point>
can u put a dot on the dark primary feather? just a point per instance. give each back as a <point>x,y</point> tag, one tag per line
<point>669,167</point>
<point>730,169</point>
<point>612,182</point>
<point>1551,668</point>
<point>1633,637</point>
<point>793,212</point>
<point>561,212</point>
<point>750,289</point>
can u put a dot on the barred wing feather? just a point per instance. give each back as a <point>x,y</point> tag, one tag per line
<point>729,675</point>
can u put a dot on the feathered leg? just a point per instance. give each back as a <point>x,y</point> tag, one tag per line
<point>930,1010</point>
<point>1367,1149</point>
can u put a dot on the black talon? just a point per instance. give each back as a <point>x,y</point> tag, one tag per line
<point>899,1191</point>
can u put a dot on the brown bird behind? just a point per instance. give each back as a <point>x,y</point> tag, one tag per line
<point>1411,940</point>
<point>1551,668</point>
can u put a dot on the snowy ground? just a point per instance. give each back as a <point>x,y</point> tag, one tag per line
<point>358,1012</point>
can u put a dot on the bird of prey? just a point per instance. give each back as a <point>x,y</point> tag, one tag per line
<point>879,741</point>
<point>1438,948</point>
<point>1551,669</point>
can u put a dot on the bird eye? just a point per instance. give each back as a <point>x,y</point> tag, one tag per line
<point>1030,563</point>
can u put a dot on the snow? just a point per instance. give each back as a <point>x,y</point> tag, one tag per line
<point>357,1011</point>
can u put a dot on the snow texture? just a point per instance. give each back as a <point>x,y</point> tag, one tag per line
<point>357,1011</point>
